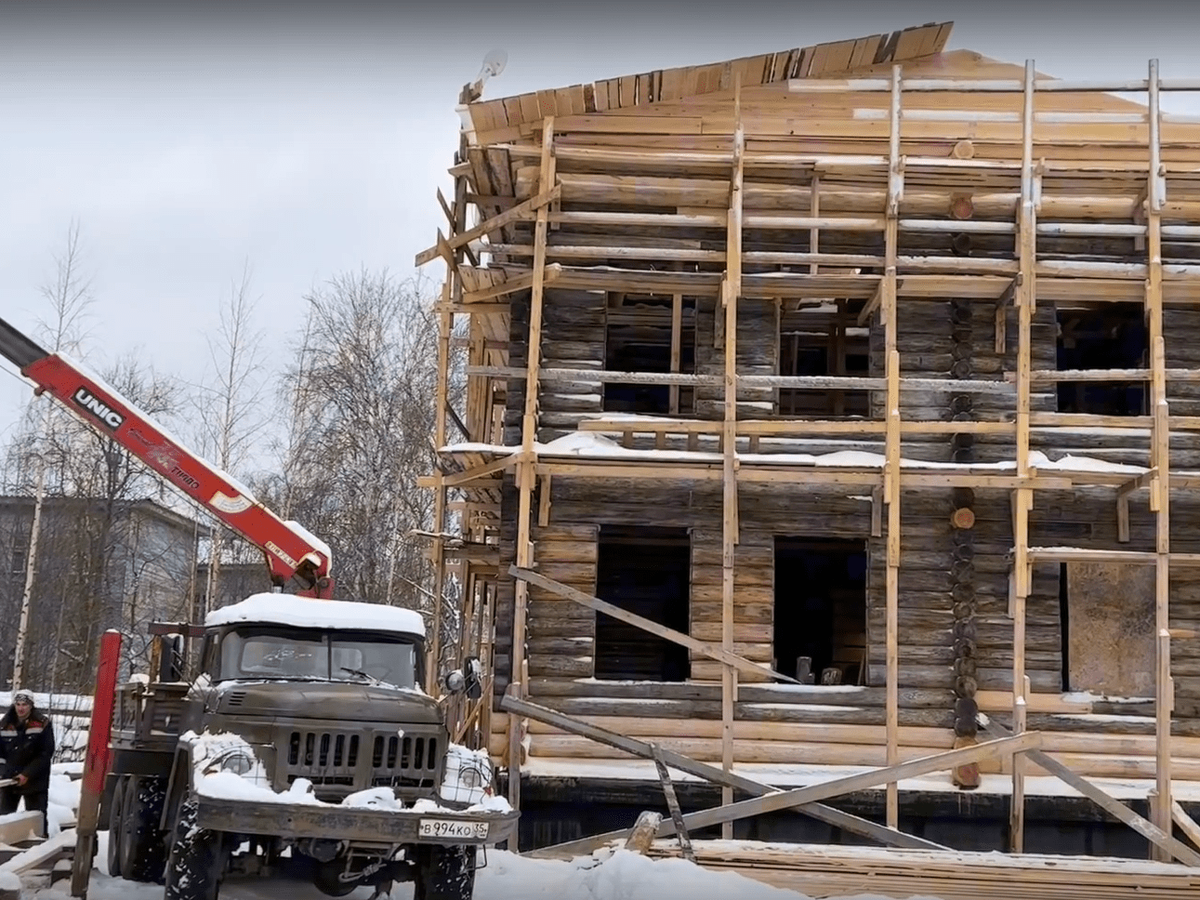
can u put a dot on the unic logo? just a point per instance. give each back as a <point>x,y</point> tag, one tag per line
<point>98,408</point>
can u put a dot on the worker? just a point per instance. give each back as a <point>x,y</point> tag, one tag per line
<point>27,745</point>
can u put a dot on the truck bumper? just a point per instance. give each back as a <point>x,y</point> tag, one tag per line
<point>296,821</point>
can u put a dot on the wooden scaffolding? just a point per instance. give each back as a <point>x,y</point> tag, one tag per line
<point>680,184</point>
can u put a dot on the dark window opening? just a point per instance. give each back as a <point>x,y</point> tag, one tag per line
<point>821,609</point>
<point>1112,336</point>
<point>824,340</point>
<point>645,570</point>
<point>640,336</point>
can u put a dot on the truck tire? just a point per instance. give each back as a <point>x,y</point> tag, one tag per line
<point>116,817</point>
<point>196,860</point>
<point>444,873</point>
<point>143,850</point>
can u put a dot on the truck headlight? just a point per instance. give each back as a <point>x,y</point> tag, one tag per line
<point>468,776</point>
<point>237,762</point>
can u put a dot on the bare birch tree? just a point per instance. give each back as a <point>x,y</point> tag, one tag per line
<point>68,295</point>
<point>361,391</point>
<point>233,411</point>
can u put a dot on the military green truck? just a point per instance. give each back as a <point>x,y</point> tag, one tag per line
<point>304,740</point>
<point>306,737</point>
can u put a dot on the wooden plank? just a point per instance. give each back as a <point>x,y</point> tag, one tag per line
<point>826,790</point>
<point>664,778</point>
<point>891,481</point>
<point>20,826</point>
<point>513,214</point>
<point>41,854</point>
<point>1185,823</point>
<point>511,285</point>
<point>1160,460</point>
<point>1114,807</point>
<point>469,475</point>
<point>729,484</point>
<point>526,469</point>
<point>1023,498</point>
<point>662,631</point>
<point>847,822</point>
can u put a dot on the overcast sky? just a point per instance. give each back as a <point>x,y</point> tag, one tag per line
<point>308,139</point>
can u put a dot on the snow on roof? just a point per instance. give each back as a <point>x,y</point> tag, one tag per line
<point>305,612</point>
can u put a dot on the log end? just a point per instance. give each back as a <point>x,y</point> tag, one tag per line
<point>645,829</point>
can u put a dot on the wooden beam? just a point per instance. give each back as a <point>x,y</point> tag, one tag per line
<point>790,799</point>
<point>511,285</point>
<point>1160,460</point>
<point>1185,823</point>
<point>664,777</point>
<point>676,349</point>
<point>1117,809</point>
<point>526,469</point>
<point>521,211</point>
<point>437,557</point>
<point>41,855</point>
<point>891,475</point>
<point>850,823</point>
<point>467,476</point>
<point>1023,499</point>
<point>662,631</point>
<point>729,485</point>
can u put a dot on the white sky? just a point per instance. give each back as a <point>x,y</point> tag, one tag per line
<point>309,141</point>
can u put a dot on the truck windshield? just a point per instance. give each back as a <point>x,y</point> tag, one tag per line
<point>274,653</point>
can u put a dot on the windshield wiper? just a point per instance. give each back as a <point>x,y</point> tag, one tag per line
<point>361,674</point>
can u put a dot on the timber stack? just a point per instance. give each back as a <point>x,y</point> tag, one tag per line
<point>820,407</point>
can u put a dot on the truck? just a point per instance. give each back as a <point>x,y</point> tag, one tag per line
<point>300,732</point>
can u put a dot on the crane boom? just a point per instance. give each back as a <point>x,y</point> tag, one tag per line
<point>290,551</point>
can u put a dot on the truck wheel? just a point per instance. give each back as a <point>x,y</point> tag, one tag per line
<point>445,873</point>
<point>325,879</point>
<point>196,860</point>
<point>116,817</point>
<point>143,851</point>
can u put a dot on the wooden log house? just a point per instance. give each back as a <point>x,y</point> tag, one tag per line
<point>868,371</point>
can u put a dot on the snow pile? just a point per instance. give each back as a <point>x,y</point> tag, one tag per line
<point>611,876</point>
<point>63,801</point>
<point>9,882</point>
<point>620,875</point>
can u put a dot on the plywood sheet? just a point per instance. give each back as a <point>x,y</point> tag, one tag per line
<point>1110,643</point>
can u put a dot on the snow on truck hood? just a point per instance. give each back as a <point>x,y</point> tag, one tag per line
<point>305,612</point>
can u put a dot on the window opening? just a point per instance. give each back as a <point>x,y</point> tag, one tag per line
<point>821,609</point>
<point>646,334</point>
<point>1111,336</point>
<point>824,340</point>
<point>645,570</point>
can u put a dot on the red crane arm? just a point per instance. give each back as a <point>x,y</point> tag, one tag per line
<point>290,551</point>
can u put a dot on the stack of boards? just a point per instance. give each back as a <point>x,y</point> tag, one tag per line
<point>835,871</point>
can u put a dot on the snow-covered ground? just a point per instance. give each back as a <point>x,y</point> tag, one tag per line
<point>617,876</point>
<point>605,875</point>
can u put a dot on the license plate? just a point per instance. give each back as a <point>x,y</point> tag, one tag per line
<point>452,828</point>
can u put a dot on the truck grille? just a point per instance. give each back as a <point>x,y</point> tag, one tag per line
<point>336,758</point>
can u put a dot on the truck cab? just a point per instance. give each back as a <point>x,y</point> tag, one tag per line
<point>330,692</point>
<point>306,736</point>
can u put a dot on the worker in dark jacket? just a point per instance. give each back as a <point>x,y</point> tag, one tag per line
<point>27,745</point>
